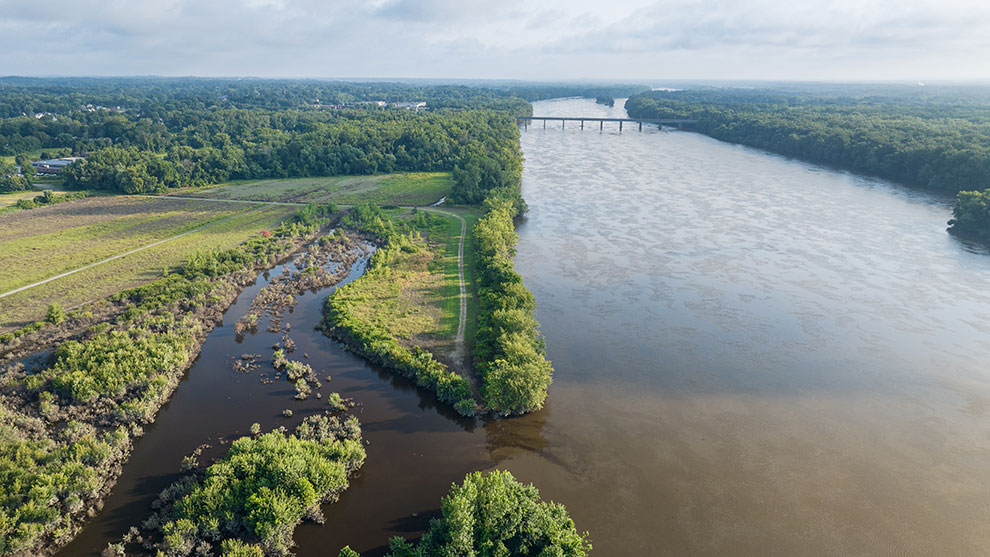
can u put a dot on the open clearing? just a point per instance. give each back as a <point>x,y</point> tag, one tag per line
<point>44,242</point>
<point>407,189</point>
<point>48,241</point>
<point>8,199</point>
<point>419,304</point>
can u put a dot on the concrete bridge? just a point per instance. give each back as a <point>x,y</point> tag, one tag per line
<point>526,121</point>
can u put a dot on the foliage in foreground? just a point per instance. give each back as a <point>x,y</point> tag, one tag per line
<point>509,349</point>
<point>372,340</point>
<point>971,214</point>
<point>495,515</point>
<point>44,479</point>
<point>250,501</point>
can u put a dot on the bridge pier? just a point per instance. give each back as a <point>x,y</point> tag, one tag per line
<point>620,125</point>
<point>601,125</point>
<point>544,124</point>
<point>640,126</point>
<point>582,124</point>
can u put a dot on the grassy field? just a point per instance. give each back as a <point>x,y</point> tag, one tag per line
<point>8,199</point>
<point>45,242</point>
<point>419,304</point>
<point>33,155</point>
<point>411,189</point>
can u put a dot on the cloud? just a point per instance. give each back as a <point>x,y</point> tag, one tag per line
<point>553,39</point>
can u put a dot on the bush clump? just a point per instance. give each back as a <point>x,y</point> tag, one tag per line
<point>971,214</point>
<point>250,502</point>
<point>492,515</point>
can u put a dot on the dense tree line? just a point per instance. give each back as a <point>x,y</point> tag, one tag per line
<point>543,91</point>
<point>146,135</point>
<point>85,115</point>
<point>153,97</point>
<point>509,350</point>
<point>940,142</point>
<point>495,515</point>
<point>256,144</point>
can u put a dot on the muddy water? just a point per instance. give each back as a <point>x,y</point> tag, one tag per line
<point>754,356</point>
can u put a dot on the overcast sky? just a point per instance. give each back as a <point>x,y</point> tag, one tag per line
<point>535,39</point>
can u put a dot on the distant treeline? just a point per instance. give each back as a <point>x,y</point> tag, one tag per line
<point>936,141</point>
<point>157,97</point>
<point>262,144</point>
<point>539,92</point>
<point>187,132</point>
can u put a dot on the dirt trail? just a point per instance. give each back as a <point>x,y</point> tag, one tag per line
<point>459,354</point>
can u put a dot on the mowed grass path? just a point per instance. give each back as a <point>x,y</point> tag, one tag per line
<point>406,189</point>
<point>44,242</point>
<point>224,228</point>
<point>451,310</point>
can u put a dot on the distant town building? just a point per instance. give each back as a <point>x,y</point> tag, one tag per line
<point>410,105</point>
<point>53,166</point>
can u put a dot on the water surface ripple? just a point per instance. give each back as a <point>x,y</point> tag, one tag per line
<point>754,355</point>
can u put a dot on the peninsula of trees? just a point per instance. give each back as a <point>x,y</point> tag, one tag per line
<point>937,140</point>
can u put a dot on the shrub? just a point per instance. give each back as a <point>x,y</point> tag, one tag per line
<point>55,314</point>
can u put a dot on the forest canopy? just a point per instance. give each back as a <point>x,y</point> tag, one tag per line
<point>938,140</point>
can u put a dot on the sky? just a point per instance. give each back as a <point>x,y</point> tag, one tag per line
<point>851,40</point>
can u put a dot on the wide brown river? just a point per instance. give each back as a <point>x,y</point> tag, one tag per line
<point>754,356</point>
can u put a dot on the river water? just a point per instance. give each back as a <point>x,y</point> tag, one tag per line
<point>754,356</point>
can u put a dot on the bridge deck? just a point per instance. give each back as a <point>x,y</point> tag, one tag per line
<point>599,119</point>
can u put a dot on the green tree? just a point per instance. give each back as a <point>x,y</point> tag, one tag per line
<point>495,515</point>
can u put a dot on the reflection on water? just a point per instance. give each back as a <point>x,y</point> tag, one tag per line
<point>754,356</point>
